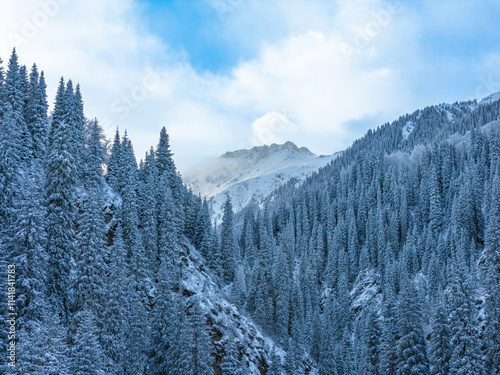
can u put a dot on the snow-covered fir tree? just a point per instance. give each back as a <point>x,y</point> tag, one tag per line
<point>386,261</point>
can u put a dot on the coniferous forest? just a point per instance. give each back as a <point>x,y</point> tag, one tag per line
<point>387,261</point>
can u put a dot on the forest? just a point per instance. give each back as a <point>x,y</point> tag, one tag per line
<point>386,261</point>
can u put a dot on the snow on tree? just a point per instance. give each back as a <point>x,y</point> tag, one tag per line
<point>61,180</point>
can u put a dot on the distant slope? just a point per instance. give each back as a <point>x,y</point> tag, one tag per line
<point>252,174</point>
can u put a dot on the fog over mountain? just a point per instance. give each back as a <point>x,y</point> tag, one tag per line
<point>252,174</point>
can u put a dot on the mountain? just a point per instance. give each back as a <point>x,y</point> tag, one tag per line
<point>394,246</point>
<point>252,174</point>
<point>384,261</point>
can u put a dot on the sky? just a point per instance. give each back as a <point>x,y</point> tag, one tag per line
<point>222,75</point>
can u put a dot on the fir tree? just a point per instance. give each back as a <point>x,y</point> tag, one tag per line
<point>440,349</point>
<point>490,262</point>
<point>227,245</point>
<point>86,353</point>
<point>61,179</point>
<point>230,364</point>
<point>463,325</point>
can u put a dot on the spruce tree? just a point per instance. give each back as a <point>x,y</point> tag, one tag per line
<point>228,245</point>
<point>36,112</point>
<point>390,331</point>
<point>283,278</point>
<point>372,334</point>
<point>440,350</point>
<point>115,314</point>
<point>61,180</point>
<point>15,97</point>
<point>230,364</point>
<point>148,195</point>
<point>167,227</point>
<point>114,166</point>
<point>166,166</point>
<point>90,241</point>
<point>411,351</point>
<point>463,325</point>
<point>490,262</point>
<point>87,355</point>
<point>327,356</point>
<point>41,345</point>
<point>74,119</point>
<point>201,345</point>
<point>276,367</point>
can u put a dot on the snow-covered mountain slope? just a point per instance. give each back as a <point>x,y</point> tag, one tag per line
<point>225,322</point>
<point>252,174</point>
<point>433,118</point>
<point>490,98</point>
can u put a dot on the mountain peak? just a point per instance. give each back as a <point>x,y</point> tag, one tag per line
<point>260,152</point>
<point>253,173</point>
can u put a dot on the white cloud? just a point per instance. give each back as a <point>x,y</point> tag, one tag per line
<point>301,76</point>
<point>271,128</point>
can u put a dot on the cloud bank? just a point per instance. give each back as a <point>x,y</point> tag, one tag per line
<point>321,73</point>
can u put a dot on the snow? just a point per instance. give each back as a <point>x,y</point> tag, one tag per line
<point>226,319</point>
<point>490,98</point>
<point>450,116</point>
<point>212,173</point>
<point>407,129</point>
<point>365,291</point>
<point>254,174</point>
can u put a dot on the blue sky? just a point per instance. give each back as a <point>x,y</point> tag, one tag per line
<point>201,30</point>
<point>227,74</point>
<point>196,29</point>
<point>209,32</point>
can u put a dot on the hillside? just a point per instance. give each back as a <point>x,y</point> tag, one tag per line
<point>384,259</point>
<point>390,251</point>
